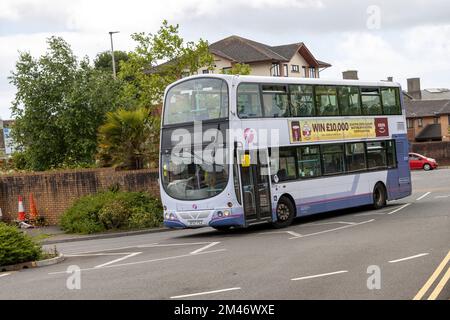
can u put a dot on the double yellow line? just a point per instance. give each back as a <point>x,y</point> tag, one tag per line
<point>437,290</point>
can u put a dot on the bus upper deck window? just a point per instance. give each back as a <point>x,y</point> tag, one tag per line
<point>248,101</point>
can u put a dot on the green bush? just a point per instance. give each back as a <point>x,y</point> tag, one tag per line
<point>16,247</point>
<point>114,215</point>
<point>112,210</point>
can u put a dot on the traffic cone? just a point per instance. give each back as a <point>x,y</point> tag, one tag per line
<point>21,214</point>
<point>33,210</point>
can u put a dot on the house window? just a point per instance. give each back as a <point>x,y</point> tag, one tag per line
<point>410,123</point>
<point>305,71</point>
<point>295,68</point>
<point>275,70</point>
<point>286,70</point>
<point>312,72</point>
<point>420,122</point>
<point>436,120</point>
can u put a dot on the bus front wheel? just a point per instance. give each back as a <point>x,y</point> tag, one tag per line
<point>379,196</point>
<point>285,213</point>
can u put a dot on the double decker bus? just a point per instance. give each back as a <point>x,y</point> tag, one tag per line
<point>243,150</point>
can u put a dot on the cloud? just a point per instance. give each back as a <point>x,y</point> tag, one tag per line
<point>413,38</point>
<point>419,52</point>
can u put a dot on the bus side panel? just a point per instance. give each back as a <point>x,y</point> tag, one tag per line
<point>399,179</point>
<point>331,193</point>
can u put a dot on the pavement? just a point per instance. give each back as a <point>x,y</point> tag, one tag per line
<point>399,252</point>
<point>53,234</point>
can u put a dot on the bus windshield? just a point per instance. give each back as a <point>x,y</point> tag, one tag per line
<point>185,180</point>
<point>196,100</point>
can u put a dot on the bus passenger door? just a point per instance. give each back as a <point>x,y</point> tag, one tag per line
<point>255,186</point>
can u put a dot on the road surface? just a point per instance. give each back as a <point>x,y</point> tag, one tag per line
<point>399,252</point>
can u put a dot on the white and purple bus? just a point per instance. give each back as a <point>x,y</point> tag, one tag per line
<point>242,150</point>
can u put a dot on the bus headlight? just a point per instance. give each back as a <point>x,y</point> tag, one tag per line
<point>226,213</point>
<point>172,216</point>
<point>166,216</point>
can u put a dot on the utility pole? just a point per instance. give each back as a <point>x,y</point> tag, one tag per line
<point>112,53</point>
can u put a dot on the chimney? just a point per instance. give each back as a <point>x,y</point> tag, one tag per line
<point>414,88</point>
<point>350,75</point>
<point>390,79</point>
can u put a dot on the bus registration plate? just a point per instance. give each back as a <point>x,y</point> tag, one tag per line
<point>195,222</point>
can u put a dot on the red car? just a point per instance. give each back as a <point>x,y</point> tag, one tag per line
<point>418,161</point>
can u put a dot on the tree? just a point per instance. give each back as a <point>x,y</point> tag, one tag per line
<point>103,60</point>
<point>59,104</point>
<point>125,138</point>
<point>158,60</point>
<point>239,68</point>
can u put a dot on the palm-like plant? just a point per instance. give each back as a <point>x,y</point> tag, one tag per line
<point>128,138</point>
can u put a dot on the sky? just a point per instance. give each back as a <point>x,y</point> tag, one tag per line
<point>402,38</point>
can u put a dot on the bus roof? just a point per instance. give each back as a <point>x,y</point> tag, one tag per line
<point>236,79</point>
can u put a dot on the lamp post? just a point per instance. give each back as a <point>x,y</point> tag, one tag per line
<point>112,53</point>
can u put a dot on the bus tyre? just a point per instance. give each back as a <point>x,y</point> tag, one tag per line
<point>222,228</point>
<point>285,213</point>
<point>426,167</point>
<point>379,196</point>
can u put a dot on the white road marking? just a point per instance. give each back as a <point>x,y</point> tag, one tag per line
<point>334,229</point>
<point>320,275</point>
<point>111,249</point>
<point>439,197</point>
<point>408,258</point>
<point>332,222</point>
<point>142,262</point>
<point>205,247</point>
<point>398,209</point>
<point>423,196</point>
<point>171,244</point>
<point>369,214</point>
<point>204,293</point>
<point>295,234</point>
<point>117,260</point>
<point>4,274</point>
<point>96,254</point>
<point>292,233</point>
<point>151,245</point>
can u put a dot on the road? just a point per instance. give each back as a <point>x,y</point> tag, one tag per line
<point>399,252</point>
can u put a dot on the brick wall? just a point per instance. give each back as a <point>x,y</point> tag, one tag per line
<point>439,150</point>
<point>55,191</point>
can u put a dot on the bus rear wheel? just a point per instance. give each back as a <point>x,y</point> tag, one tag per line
<point>285,213</point>
<point>379,196</point>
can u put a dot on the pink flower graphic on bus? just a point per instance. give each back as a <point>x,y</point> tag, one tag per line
<point>249,135</point>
